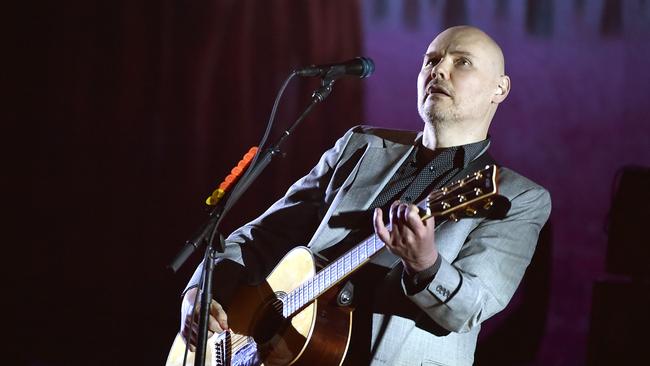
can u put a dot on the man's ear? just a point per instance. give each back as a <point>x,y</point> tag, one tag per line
<point>502,90</point>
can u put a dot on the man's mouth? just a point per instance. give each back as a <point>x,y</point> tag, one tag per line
<point>437,89</point>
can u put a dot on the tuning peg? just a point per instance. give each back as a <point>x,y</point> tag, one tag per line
<point>488,204</point>
<point>454,217</point>
<point>470,211</point>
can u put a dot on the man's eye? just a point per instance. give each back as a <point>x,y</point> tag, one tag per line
<point>463,62</point>
<point>431,62</point>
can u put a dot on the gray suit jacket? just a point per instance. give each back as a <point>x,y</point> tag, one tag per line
<point>483,260</point>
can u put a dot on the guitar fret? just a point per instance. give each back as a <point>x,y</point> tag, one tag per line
<point>288,308</point>
<point>290,299</point>
<point>299,299</point>
<point>302,296</point>
<point>315,290</point>
<point>339,268</point>
<point>306,293</point>
<point>310,290</point>
<point>296,299</point>
<point>319,282</point>
<point>307,288</point>
<point>326,274</point>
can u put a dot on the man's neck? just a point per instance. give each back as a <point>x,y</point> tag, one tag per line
<point>441,136</point>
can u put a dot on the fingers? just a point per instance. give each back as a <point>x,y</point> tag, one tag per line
<point>191,330</point>
<point>380,228</point>
<point>220,316</point>
<point>217,322</point>
<point>393,216</point>
<point>405,219</point>
<point>411,219</point>
<point>409,237</point>
<point>189,333</point>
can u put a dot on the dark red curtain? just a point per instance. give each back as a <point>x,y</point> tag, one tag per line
<point>142,108</point>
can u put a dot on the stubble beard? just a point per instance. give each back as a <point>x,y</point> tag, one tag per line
<point>438,116</point>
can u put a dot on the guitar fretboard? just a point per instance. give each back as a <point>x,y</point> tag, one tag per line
<point>449,201</point>
<point>331,275</point>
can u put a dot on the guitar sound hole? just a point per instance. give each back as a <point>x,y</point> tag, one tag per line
<point>270,321</point>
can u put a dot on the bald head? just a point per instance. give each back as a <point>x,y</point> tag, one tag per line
<point>476,38</point>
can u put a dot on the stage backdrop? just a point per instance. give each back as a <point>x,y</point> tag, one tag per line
<point>577,113</point>
<point>143,108</point>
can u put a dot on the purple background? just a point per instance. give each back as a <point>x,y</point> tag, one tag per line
<point>577,111</point>
<point>133,111</point>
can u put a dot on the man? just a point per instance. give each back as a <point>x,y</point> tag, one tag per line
<point>426,297</point>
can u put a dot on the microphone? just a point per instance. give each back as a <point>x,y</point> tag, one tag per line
<point>359,66</point>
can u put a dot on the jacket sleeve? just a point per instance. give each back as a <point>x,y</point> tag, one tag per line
<point>482,279</point>
<point>289,222</point>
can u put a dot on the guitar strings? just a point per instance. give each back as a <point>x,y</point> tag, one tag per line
<point>239,341</point>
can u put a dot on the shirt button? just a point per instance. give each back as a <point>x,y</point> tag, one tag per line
<point>431,168</point>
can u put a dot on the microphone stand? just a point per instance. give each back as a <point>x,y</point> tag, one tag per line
<point>209,230</point>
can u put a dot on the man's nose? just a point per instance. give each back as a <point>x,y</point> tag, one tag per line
<point>439,70</point>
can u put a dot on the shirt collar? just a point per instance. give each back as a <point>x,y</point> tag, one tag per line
<point>465,153</point>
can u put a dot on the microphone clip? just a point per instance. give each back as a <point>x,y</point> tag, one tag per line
<point>325,89</point>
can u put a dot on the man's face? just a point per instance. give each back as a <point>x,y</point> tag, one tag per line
<point>459,77</point>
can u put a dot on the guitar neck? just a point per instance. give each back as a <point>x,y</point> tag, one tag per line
<point>332,274</point>
<point>466,197</point>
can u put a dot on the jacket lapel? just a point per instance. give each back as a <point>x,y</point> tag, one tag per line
<point>375,168</point>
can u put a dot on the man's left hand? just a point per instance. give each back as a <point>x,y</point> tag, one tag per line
<point>409,237</point>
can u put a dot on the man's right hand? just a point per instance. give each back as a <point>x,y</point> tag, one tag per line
<point>217,323</point>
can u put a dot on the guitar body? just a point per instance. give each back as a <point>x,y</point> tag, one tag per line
<point>318,334</point>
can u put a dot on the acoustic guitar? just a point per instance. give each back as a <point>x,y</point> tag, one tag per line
<point>293,318</point>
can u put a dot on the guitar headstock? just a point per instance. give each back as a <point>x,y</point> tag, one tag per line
<point>468,197</point>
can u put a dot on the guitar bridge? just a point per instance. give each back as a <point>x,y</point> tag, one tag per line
<point>221,350</point>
